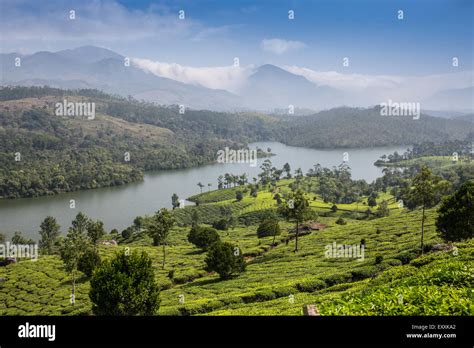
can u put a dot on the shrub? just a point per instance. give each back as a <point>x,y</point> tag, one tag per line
<point>393,262</point>
<point>334,208</point>
<point>364,272</point>
<point>225,259</point>
<point>338,278</point>
<point>406,256</point>
<point>268,227</point>
<point>221,224</point>
<point>341,221</point>
<point>311,285</point>
<point>125,285</point>
<point>378,259</point>
<point>239,196</point>
<point>202,236</point>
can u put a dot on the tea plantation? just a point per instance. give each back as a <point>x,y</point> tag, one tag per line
<point>392,278</point>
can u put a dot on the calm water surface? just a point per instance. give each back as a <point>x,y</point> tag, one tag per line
<point>118,206</point>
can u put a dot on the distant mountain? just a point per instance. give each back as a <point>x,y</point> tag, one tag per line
<point>95,67</point>
<point>271,87</point>
<point>461,99</point>
<point>468,118</point>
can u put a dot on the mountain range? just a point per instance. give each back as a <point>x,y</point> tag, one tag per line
<point>268,88</point>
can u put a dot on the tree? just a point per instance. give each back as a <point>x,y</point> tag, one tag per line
<point>127,233</point>
<point>287,170</point>
<point>159,228</point>
<point>74,247</point>
<point>200,186</point>
<point>95,231</point>
<point>89,261</point>
<point>295,209</point>
<point>202,236</point>
<point>225,259</point>
<point>383,209</point>
<point>269,227</point>
<point>239,195</point>
<point>194,217</point>
<point>209,186</point>
<point>175,201</point>
<point>19,239</point>
<point>455,221</point>
<point>371,201</point>
<point>425,191</point>
<point>125,285</point>
<point>49,232</point>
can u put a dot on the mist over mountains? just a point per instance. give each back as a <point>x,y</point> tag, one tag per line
<point>266,88</point>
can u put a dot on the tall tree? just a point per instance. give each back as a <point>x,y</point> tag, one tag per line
<point>159,228</point>
<point>424,193</point>
<point>175,201</point>
<point>295,209</point>
<point>287,170</point>
<point>74,247</point>
<point>95,231</point>
<point>49,232</point>
<point>200,186</point>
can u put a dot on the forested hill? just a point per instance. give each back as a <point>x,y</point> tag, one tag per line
<point>64,153</point>
<point>358,127</point>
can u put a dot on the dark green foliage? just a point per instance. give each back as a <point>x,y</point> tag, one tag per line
<point>338,278</point>
<point>221,224</point>
<point>295,209</point>
<point>19,239</point>
<point>382,209</point>
<point>202,236</point>
<point>334,208</point>
<point>225,259</point>
<point>455,220</point>
<point>364,272</point>
<point>378,259</point>
<point>49,232</point>
<point>95,231</point>
<point>311,285</point>
<point>174,201</point>
<point>89,261</point>
<point>406,256</point>
<point>341,221</point>
<point>239,196</point>
<point>125,285</point>
<point>268,228</point>
<point>127,233</point>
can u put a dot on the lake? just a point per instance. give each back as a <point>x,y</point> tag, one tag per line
<point>118,206</point>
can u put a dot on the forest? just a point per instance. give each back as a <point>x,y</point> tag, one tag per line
<point>45,154</point>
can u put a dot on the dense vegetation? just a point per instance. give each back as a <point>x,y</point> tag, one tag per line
<point>43,154</point>
<point>234,272</point>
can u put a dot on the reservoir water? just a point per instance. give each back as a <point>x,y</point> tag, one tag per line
<point>118,206</point>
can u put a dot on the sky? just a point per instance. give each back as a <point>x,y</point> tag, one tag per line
<point>214,32</point>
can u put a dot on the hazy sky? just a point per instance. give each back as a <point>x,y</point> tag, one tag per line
<point>213,32</point>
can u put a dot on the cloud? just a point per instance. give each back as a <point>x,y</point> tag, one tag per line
<point>373,89</point>
<point>230,78</point>
<point>280,46</point>
<point>97,22</point>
